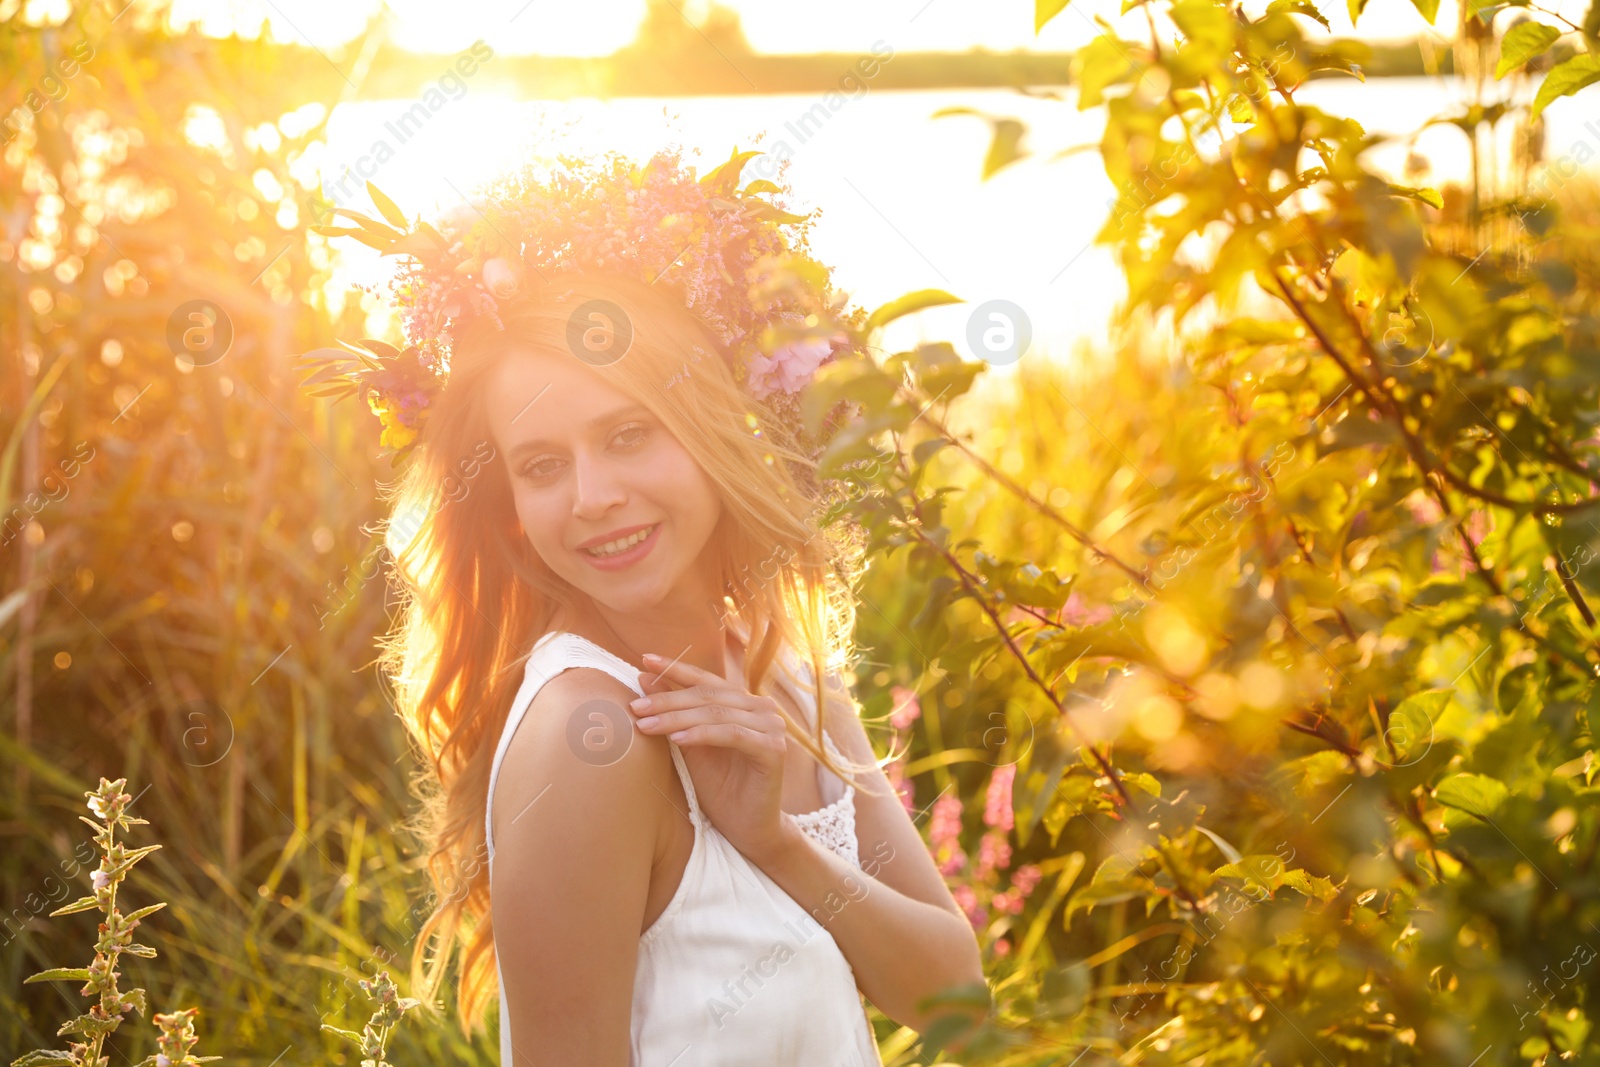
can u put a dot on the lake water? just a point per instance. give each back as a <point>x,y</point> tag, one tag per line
<point>902,205</point>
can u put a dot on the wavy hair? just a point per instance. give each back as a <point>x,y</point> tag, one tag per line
<point>475,596</point>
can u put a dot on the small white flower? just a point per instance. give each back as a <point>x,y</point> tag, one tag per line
<point>162,1060</point>
<point>100,879</point>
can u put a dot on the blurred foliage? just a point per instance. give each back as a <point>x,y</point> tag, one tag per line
<point>201,587</point>
<point>1247,690</point>
<point>1290,637</point>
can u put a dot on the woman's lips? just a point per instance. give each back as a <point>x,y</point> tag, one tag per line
<point>627,557</point>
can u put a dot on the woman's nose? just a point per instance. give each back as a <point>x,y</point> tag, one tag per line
<point>598,490</point>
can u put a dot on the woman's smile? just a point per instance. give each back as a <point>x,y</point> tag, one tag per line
<point>622,549</point>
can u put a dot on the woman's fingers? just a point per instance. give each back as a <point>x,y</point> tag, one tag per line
<point>679,709</point>
<point>655,720</point>
<point>676,670</point>
<point>753,743</point>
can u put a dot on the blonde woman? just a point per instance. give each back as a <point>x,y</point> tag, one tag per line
<point>643,832</point>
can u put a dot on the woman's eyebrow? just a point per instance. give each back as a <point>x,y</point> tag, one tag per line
<point>615,415</point>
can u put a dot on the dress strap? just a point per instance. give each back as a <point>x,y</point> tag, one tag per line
<point>558,650</point>
<point>688,783</point>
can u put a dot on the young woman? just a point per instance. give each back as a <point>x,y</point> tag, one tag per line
<point>651,826</point>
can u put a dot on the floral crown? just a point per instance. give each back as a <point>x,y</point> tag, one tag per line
<point>734,259</point>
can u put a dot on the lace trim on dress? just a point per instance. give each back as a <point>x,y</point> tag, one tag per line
<point>834,826</point>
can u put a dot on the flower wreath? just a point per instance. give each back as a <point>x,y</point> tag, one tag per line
<point>737,261</point>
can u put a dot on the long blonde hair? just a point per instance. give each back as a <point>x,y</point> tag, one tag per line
<point>475,596</point>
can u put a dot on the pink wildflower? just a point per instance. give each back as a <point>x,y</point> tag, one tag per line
<point>945,826</point>
<point>1076,613</point>
<point>944,834</point>
<point>907,709</point>
<point>967,900</point>
<point>994,853</point>
<point>790,367</point>
<point>997,806</point>
<point>1025,879</point>
<point>1007,903</point>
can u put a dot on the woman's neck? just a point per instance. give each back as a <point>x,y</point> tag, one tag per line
<point>700,639</point>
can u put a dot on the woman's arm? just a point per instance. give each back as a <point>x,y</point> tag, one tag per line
<point>574,845</point>
<point>894,920</point>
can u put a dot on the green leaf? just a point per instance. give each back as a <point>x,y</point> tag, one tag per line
<point>380,243</point>
<point>44,1058</point>
<point>89,1026</point>
<point>1299,7</point>
<point>138,997</point>
<point>149,909</point>
<point>1232,854</point>
<point>1045,10</point>
<point>1565,79</point>
<point>60,974</point>
<point>1522,42</point>
<point>371,225</point>
<point>1144,781</point>
<point>131,858</point>
<point>348,1035</point>
<point>1427,196</point>
<point>905,305</point>
<point>1428,8</point>
<point>1475,794</point>
<point>1102,63</point>
<point>724,178</point>
<point>387,207</point>
<point>1006,147</point>
<point>81,904</point>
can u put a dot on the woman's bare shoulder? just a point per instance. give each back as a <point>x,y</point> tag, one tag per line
<point>576,761</point>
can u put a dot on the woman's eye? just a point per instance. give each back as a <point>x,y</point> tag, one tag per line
<point>546,468</point>
<point>541,469</point>
<point>631,435</point>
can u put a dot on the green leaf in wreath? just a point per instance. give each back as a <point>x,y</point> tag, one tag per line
<point>904,305</point>
<point>387,207</point>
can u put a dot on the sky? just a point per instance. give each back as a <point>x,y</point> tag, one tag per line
<point>598,27</point>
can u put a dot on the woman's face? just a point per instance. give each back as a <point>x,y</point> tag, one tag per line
<point>609,499</point>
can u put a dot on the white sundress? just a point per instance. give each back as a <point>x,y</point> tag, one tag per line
<point>734,972</point>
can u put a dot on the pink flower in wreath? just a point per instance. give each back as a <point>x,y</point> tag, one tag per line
<point>791,366</point>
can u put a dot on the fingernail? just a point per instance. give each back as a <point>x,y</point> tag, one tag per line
<point>648,721</point>
<point>641,704</point>
<point>651,656</point>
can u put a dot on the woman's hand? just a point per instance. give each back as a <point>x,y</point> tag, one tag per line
<point>733,742</point>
